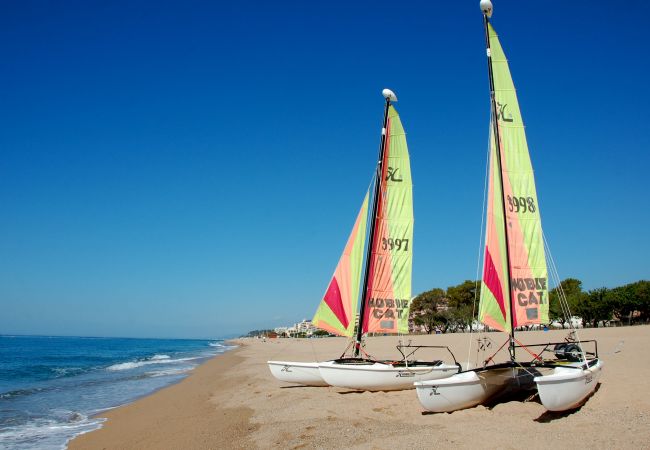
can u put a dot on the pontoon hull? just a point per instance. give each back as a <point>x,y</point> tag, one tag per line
<point>567,388</point>
<point>379,376</point>
<point>463,390</point>
<point>304,373</point>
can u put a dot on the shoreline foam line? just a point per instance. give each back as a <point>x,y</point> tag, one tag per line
<point>161,405</point>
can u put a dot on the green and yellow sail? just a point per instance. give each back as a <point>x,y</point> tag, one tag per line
<point>513,242</point>
<point>391,252</point>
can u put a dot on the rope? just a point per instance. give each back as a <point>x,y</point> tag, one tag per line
<point>347,347</point>
<point>533,354</point>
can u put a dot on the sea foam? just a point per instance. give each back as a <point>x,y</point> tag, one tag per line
<point>52,387</point>
<point>156,359</point>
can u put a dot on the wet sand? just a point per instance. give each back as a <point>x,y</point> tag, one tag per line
<point>232,401</point>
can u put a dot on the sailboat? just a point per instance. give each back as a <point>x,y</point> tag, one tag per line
<point>385,261</point>
<point>514,291</point>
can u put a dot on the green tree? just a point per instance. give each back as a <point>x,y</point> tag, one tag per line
<point>425,309</point>
<point>572,289</point>
<point>320,333</point>
<point>462,299</point>
<point>622,302</point>
<point>460,318</point>
<point>641,292</point>
<point>594,307</point>
<point>464,294</point>
<point>632,298</point>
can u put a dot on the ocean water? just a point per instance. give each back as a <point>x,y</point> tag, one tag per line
<point>50,387</point>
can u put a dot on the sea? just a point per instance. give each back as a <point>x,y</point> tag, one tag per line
<point>52,387</point>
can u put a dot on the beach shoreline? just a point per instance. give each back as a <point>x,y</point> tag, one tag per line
<point>99,418</point>
<point>179,405</point>
<point>232,401</point>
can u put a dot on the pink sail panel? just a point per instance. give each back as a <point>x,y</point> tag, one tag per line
<point>492,281</point>
<point>334,300</point>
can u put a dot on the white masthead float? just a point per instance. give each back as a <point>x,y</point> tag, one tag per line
<point>389,95</point>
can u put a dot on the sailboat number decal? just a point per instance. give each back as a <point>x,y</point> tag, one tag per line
<point>523,204</point>
<point>286,369</point>
<point>392,243</point>
<point>434,390</point>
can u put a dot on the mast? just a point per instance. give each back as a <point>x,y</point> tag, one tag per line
<point>486,8</point>
<point>388,95</point>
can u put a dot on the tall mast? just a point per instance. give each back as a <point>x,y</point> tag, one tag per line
<point>486,8</point>
<point>389,96</point>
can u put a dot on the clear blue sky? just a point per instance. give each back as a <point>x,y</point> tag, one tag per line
<point>192,169</point>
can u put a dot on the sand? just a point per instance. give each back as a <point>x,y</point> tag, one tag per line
<point>232,401</point>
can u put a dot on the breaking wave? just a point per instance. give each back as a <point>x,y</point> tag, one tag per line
<point>156,359</point>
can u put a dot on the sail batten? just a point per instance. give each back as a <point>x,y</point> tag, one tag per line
<point>514,270</point>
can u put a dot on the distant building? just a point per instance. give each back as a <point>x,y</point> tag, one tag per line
<point>301,328</point>
<point>305,327</point>
<point>281,331</point>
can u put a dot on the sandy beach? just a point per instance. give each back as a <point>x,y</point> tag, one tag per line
<point>232,401</point>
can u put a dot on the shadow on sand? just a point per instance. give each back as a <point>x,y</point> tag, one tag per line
<point>355,392</point>
<point>302,387</point>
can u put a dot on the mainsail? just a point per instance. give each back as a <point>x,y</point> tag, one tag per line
<point>514,267</point>
<point>391,250</point>
<point>337,311</point>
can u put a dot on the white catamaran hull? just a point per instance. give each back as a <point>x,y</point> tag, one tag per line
<point>566,388</point>
<point>379,376</point>
<point>305,373</point>
<point>463,390</point>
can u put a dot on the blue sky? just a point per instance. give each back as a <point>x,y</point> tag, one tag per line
<point>192,169</point>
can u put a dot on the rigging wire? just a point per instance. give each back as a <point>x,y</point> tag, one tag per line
<point>564,304</point>
<point>480,247</point>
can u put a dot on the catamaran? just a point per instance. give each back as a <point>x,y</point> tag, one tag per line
<point>385,261</point>
<point>514,291</point>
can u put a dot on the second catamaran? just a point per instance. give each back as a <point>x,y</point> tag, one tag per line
<point>514,290</point>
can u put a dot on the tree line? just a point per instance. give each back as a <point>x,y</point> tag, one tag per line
<point>452,309</point>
